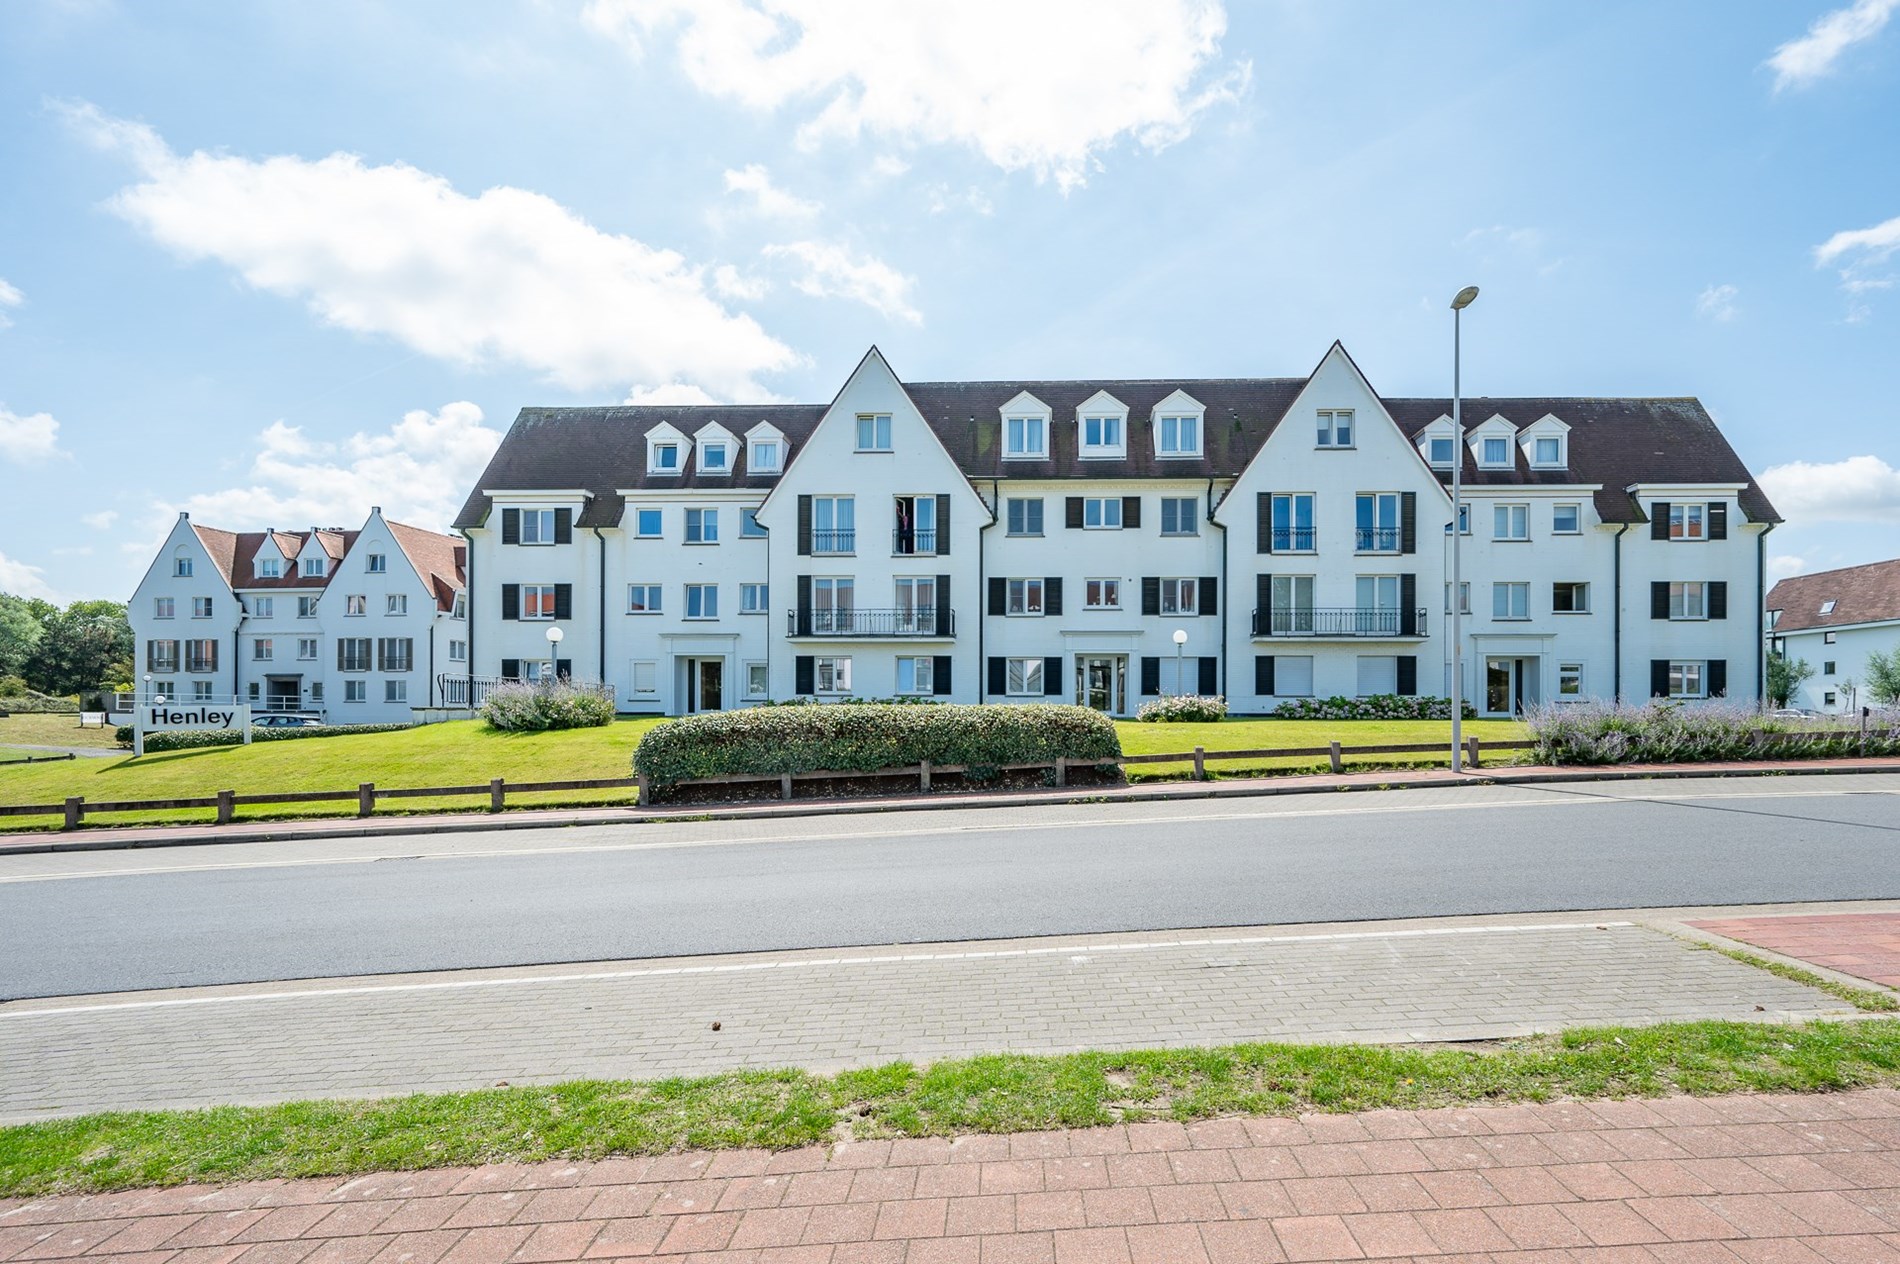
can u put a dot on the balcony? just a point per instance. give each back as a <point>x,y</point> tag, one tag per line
<point>855,624</point>
<point>907,542</point>
<point>1293,539</point>
<point>834,543</point>
<point>1339,623</point>
<point>1380,541</point>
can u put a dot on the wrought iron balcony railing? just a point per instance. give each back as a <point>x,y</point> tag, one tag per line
<point>1380,541</point>
<point>1349,622</point>
<point>1293,539</point>
<point>922,621</point>
<point>906,542</point>
<point>834,542</point>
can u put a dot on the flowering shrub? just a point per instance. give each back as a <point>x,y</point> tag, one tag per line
<point>524,708</point>
<point>1663,732</point>
<point>1380,706</point>
<point>1185,709</point>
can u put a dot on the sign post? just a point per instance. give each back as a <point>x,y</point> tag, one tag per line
<point>158,716</point>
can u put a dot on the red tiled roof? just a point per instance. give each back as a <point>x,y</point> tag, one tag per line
<point>441,560</point>
<point>1861,594</point>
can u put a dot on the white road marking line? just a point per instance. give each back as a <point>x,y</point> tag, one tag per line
<point>746,967</point>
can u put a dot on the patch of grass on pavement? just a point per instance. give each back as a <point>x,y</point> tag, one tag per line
<point>1869,999</point>
<point>1269,734</point>
<point>52,730</point>
<point>593,1119</point>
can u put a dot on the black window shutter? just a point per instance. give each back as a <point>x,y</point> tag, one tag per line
<point>564,526</point>
<point>1209,683</point>
<point>1408,675</point>
<point>1408,607</point>
<point>1151,594</point>
<point>1718,599</point>
<point>339,653</point>
<point>511,669</point>
<point>1150,675</point>
<point>1131,512</point>
<point>1210,596</point>
<point>1408,522</point>
<point>511,601</point>
<point>1263,523</point>
<point>999,595</point>
<point>564,601</point>
<point>1072,512</point>
<point>940,675</point>
<point>1052,595</point>
<point>1263,674</point>
<point>1659,678</point>
<point>1718,677</point>
<point>803,625</point>
<point>943,526</point>
<point>999,676</point>
<point>804,675</point>
<point>564,669</point>
<point>804,529</point>
<point>943,606</point>
<point>1659,599</point>
<point>1718,520</point>
<point>1052,676</point>
<point>1263,605</point>
<point>1659,520</point>
<point>511,526</point>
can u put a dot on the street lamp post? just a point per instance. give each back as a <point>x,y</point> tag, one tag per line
<point>1180,664</point>
<point>554,653</point>
<point>1459,302</point>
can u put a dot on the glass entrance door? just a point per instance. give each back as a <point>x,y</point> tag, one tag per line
<point>1101,682</point>
<point>711,677</point>
<point>1509,685</point>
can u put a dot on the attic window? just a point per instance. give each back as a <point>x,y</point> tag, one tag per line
<point>270,567</point>
<point>713,459</point>
<point>764,456</point>
<point>1827,607</point>
<point>1102,436</point>
<point>1497,453</point>
<point>1440,449</point>
<point>1024,439</point>
<point>666,458</point>
<point>1178,436</point>
<point>313,566</point>
<point>1547,450</point>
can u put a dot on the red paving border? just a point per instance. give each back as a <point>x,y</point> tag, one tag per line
<point>1669,1181</point>
<point>115,838</point>
<point>1865,945</point>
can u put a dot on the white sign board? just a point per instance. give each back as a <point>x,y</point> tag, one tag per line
<point>157,717</point>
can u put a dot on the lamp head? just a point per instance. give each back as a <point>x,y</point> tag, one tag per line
<point>1464,298</point>
<point>1180,636</point>
<point>554,635</point>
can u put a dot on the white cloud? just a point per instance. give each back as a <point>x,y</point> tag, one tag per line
<point>1858,254</point>
<point>101,521</point>
<point>729,282</point>
<point>943,198</point>
<point>1858,489</point>
<point>1801,62</point>
<point>21,580</point>
<point>755,182</point>
<point>1717,303</point>
<point>1782,565</point>
<point>1042,87</point>
<point>670,393</point>
<point>832,271</point>
<point>508,276</point>
<point>419,471</point>
<point>10,296</point>
<point>30,438</point>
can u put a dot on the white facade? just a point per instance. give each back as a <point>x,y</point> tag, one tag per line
<point>357,627</point>
<point>1839,659</point>
<point>1017,541</point>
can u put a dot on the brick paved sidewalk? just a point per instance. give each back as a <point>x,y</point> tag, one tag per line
<point>1865,945</point>
<point>1668,1181</point>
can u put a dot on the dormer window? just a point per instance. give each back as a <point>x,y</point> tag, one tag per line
<point>270,567</point>
<point>714,459</point>
<point>1335,428</point>
<point>1102,436</point>
<point>1178,435</point>
<point>764,456</point>
<point>313,567</point>
<point>1025,438</point>
<point>1495,453</point>
<point>1440,450</point>
<point>666,458</point>
<point>1547,451</point>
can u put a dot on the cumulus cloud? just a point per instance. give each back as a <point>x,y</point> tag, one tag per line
<point>28,439</point>
<point>10,296</point>
<point>1717,303</point>
<point>1801,62</point>
<point>671,393</point>
<point>22,580</point>
<point>1782,565</point>
<point>1858,489</point>
<point>508,276</point>
<point>827,270</point>
<point>754,183</point>
<point>1043,87</point>
<point>1860,255</point>
<point>729,282</point>
<point>101,521</point>
<point>419,470</point>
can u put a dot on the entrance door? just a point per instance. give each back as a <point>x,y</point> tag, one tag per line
<point>1102,682</point>
<point>283,693</point>
<point>709,676</point>
<point>1509,684</point>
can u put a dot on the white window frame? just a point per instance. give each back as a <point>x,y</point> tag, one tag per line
<point>923,675</point>
<point>376,563</point>
<point>263,608</point>
<point>640,515</point>
<point>1541,462</point>
<point>1396,531</point>
<point>1486,459</point>
<point>1025,437</point>
<point>355,606</point>
<point>306,649</point>
<point>1327,429</point>
<point>315,567</point>
<point>458,651</point>
<point>655,453</point>
<point>1187,509</point>
<point>651,595</point>
<point>1681,608</point>
<point>306,607</point>
<point>1504,595</point>
<point>1688,521</point>
<point>702,521</point>
<point>1292,530</point>
<point>396,603</point>
<point>181,568</point>
<point>1024,600</point>
<point>1464,596</point>
<point>270,567</point>
<point>1511,521</point>
<point>1010,505</point>
<point>706,464</point>
<point>1431,451</point>
<point>543,596</point>
<point>1570,674</point>
<point>645,674</point>
<point>758,679</point>
<point>164,607</point>
<point>262,650</point>
<point>1178,424</point>
<point>356,689</point>
<point>1103,424</point>
<point>1180,595</point>
<point>831,674</point>
<point>1580,591</point>
<point>542,521</point>
<point>1102,594</point>
<point>201,690</point>
<point>1688,678</point>
<point>202,607</point>
<point>395,689</point>
<point>849,506</point>
<point>706,596</point>
<point>754,599</point>
<point>874,432</point>
<point>764,456</point>
<point>1022,678</point>
<point>1101,509</point>
<point>1556,524</point>
<point>750,528</point>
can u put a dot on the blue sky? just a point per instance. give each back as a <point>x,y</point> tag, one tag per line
<point>277,262</point>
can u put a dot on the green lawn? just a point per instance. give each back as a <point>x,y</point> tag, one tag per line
<point>49,730</point>
<point>998,1093</point>
<point>467,752</point>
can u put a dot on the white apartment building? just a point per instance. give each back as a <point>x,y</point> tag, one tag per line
<point>1832,620</point>
<point>355,626</point>
<point>1108,542</point>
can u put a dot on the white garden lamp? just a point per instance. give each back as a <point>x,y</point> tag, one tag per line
<point>554,651</point>
<point>1180,647</point>
<point>1461,301</point>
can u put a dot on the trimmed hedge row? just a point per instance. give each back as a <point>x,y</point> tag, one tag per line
<point>865,738</point>
<point>1668,733</point>
<point>193,739</point>
<point>1378,706</point>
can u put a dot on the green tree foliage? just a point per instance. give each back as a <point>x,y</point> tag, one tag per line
<point>21,620</point>
<point>86,645</point>
<point>1883,676</point>
<point>1785,676</point>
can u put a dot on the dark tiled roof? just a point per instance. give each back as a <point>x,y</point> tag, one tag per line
<point>1614,442</point>
<point>1861,594</point>
<point>604,449</point>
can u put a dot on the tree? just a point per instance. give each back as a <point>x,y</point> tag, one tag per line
<point>1785,676</point>
<point>87,644</point>
<point>1883,676</point>
<point>21,626</point>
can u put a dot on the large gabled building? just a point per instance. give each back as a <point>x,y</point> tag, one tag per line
<point>1110,541</point>
<point>1833,620</point>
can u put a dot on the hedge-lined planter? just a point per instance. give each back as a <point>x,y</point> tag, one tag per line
<point>1596,733</point>
<point>195,739</point>
<point>1378,706</point>
<point>872,741</point>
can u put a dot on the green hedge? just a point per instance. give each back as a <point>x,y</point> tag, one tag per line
<point>193,739</point>
<point>38,704</point>
<point>865,738</point>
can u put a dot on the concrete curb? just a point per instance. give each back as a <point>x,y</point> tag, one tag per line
<point>551,818</point>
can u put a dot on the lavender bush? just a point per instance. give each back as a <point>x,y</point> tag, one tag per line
<point>1661,733</point>
<point>525,708</point>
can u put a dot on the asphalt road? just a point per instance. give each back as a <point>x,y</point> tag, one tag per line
<point>230,914</point>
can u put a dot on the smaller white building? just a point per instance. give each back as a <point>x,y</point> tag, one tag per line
<point>353,626</point>
<point>1833,620</point>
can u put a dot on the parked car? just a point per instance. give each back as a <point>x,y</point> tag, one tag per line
<point>1792,713</point>
<point>281,720</point>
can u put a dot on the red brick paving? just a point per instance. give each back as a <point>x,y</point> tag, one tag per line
<point>1865,945</point>
<point>1672,1181</point>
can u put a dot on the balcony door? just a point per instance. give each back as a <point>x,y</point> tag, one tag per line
<point>1376,610</point>
<point>833,605</point>
<point>1292,604</point>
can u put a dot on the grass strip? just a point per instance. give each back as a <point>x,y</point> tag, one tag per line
<point>1868,999</point>
<point>1005,1093</point>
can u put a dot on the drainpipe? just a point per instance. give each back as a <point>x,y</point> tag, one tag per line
<point>769,638</point>
<point>1227,592</point>
<point>600,541</point>
<point>1616,596</point>
<point>982,596</point>
<point>433,620</point>
<point>1761,616</point>
<point>468,616</point>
